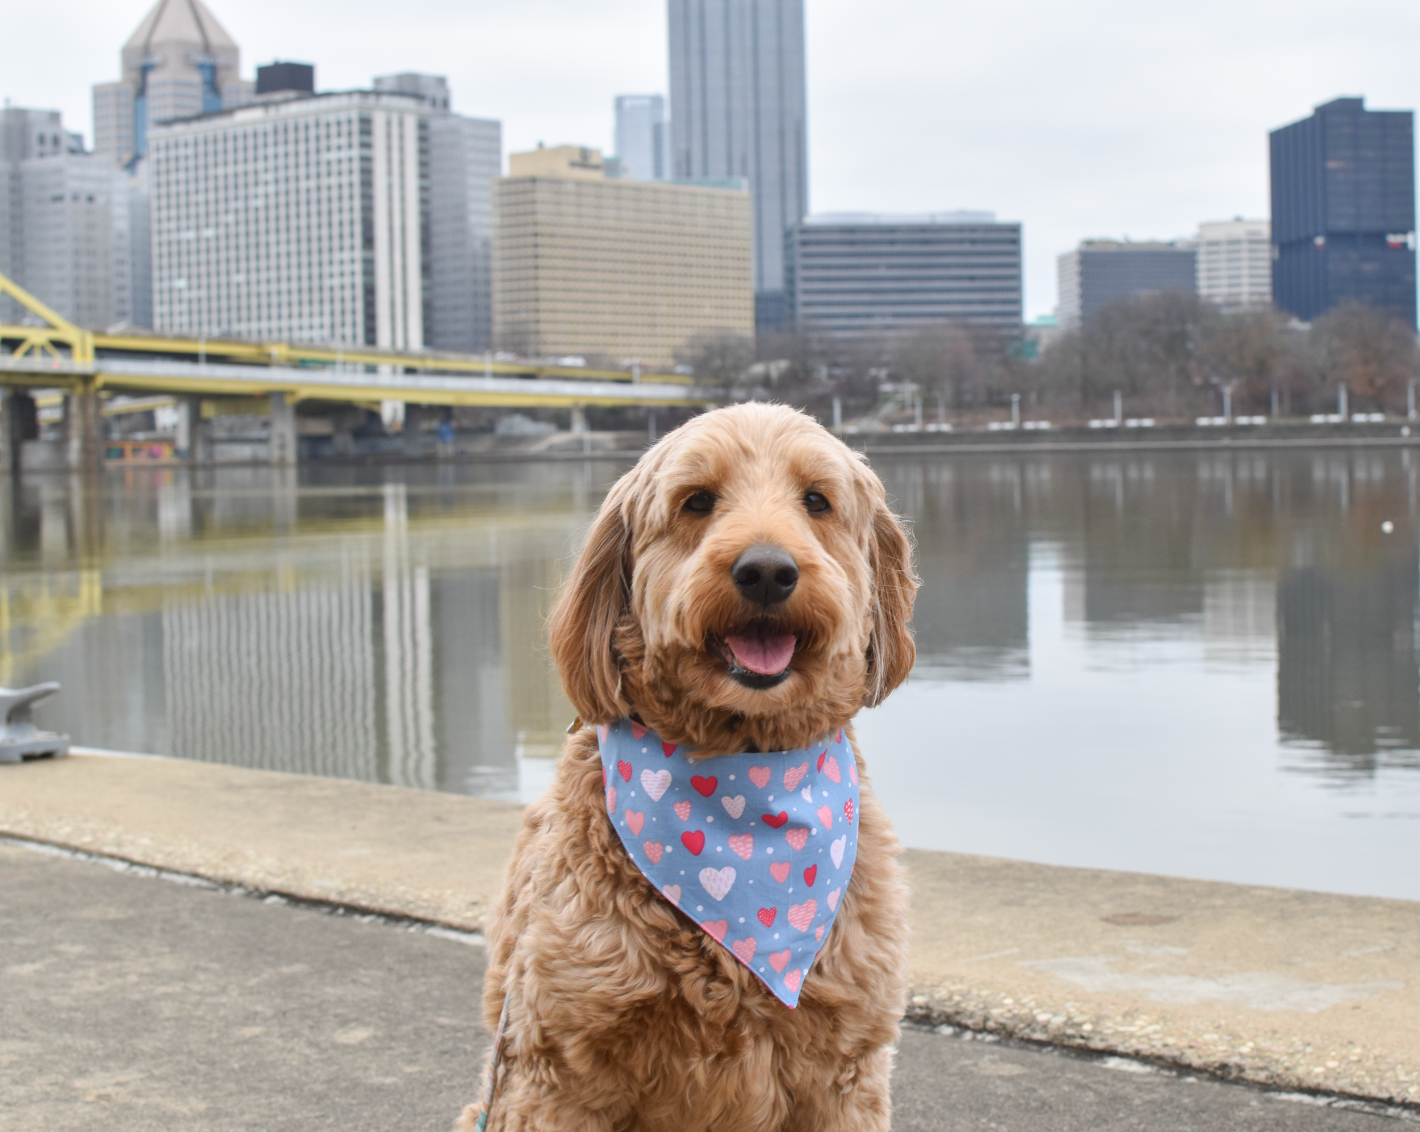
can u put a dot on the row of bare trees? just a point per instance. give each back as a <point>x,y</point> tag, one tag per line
<point>1169,354</point>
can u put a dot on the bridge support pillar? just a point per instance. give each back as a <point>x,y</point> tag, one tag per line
<point>194,437</point>
<point>83,431</point>
<point>282,442</point>
<point>9,446</point>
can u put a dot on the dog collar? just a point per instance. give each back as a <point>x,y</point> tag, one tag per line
<point>755,848</point>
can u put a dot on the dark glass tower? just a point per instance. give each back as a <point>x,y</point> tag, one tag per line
<point>738,109</point>
<point>1343,210</point>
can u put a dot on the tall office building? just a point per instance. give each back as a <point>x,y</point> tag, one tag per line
<point>641,140</point>
<point>1343,210</point>
<point>65,223</point>
<point>465,155</point>
<point>179,62</point>
<point>856,274</point>
<point>622,269</point>
<point>738,109</point>
<point>1234,263</point>
<point>303,219</point>
<point>1100,272</point>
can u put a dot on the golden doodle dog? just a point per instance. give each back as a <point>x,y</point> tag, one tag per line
<point>744,589</point>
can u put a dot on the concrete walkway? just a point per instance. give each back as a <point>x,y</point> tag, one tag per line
<point>131,1004</point>
<point>1289,989</point>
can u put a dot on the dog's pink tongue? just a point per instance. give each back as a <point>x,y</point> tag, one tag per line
<point>766,655</point>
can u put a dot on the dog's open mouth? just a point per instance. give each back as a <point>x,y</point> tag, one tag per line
<point>759,655</point>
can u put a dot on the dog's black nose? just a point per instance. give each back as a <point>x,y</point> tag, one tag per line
<point>765,574</point>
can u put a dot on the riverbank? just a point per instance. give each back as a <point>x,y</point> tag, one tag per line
<point>1283,988</point>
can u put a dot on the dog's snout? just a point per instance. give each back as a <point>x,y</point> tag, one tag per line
<point>765,575</point>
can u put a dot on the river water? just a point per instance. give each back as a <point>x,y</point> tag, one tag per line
<point>1202,665</point>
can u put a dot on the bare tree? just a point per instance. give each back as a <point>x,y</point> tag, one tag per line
<point>1372,355</point>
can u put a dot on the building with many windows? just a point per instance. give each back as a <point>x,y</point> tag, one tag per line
<point>1234,263</point>
<point>615,269</point>
<point>863,273</point>
<point>739,109</point>
<point>179,62</point>
<point>66,224</point>
<point>465,155</point>
<point>1100,272</point>
<point>641,140</point>
<point>306,219</point>
<point>1343,210</point>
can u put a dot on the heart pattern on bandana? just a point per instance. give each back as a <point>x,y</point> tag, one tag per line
<point>785,820</point>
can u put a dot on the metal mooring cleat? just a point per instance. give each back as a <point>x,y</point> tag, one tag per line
<point>20,739</point>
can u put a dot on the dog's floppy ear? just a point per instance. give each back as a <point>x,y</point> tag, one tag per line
<point>585,615</point>
<point>891,651</point>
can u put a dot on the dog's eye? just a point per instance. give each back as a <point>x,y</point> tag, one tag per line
<point>815,502</point>
<point>702,503</point>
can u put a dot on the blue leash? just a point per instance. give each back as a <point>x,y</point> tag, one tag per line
<point>492,1085</point>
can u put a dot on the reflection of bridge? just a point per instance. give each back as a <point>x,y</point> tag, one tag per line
<point>56,354</point>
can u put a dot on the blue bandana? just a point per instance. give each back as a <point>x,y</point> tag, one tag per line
<point>756,849</point>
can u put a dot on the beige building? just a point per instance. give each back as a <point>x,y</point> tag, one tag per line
<point>620,270</point>
<point>1235,262</point>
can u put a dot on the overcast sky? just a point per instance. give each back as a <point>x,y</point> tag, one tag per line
<point>1097,118</point>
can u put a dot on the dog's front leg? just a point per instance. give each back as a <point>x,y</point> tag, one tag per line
<point>858,1099</point>
<point>533,1102</point>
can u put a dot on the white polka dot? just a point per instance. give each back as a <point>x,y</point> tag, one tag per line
<point>700,908</point>
<point>710,817</point>
<point>776,935</point>
<point>719,848</point>
<point>742,919</point>
<point>769,849</point>
<point>771,797</point>
<point>732,778</point>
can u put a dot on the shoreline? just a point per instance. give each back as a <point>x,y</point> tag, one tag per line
<point>1281,988</point>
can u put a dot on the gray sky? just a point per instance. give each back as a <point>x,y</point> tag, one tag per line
<point>1098,118</point>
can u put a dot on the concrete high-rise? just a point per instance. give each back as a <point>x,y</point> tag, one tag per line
<point>304,219</point>
<point>1234,263</point>
<point>738,109</point>
<point>1100,272</point>
<point>1343,210</point>
<point>65,223</point>
<point>641,140</point>
<point>179,62</point>
<point>622,270</point>
<point>465,155</point>
<point>863,274</point>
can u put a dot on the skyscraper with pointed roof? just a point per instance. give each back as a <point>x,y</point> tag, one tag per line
<point>179,62</point>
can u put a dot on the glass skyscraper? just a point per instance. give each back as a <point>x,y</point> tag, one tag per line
<point>1343,210</point>
<point>738,110</point>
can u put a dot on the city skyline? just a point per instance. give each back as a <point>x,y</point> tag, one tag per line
<point>1187,145</point>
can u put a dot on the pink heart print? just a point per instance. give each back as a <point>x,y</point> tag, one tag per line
<point>779,870</point>
<point>743,844</point>
<point>654,849</point>
<point>830,768</point>
<point>638,730</point>
<point>792,979</point>
<point>717,882</point>
<point>802,915</point>
<point>796,838</point>
<point>716,929</point>
<point>807,793</point>
<point>734,806</point>
<point>682,810</point>
<point>795,775</point>
<point>833,899</point>
<point>672,893</point>
<point>818,934</point>
<point>635,821</point>
<point>744,949</point>
<point>779,959</point>
<point>611,799</point>
<point>835,850</point>
<point>825,815</point>
<point>655,784</point>
<point>759,775</point>
<point>601,733</point>
<point>853,774</point>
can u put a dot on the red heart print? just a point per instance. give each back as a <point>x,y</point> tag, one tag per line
<point>668,748</point>
<point>638,730</point>
<point>795,775</point>
<point>704,786</point>
<point>848,810</point>
<point>774,821</point>
<point>779,959</point>
<point>797,838</point>
<point>810,874</point>
<point>825,815</point>
<point>682,810</point>
<point>821,758</point>
<point>766,916</point>
<point>744,949</point>
<point>840,734</point>
<point>791,980</point>
<point>694,841</point>
<point>759,775</point>
<point>802,915</point>
<point>779,870</point>
<point>716,929</point>
<point>623,768</point>
<point>635,821</point>
<point>654,849</point>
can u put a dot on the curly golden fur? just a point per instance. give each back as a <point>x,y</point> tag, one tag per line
<point>623,1015</point>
